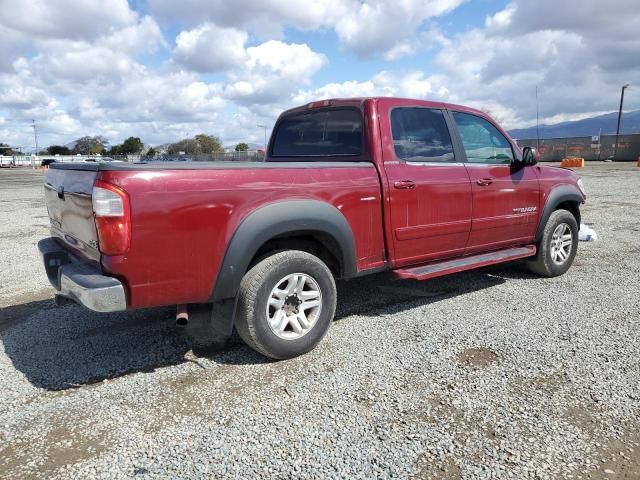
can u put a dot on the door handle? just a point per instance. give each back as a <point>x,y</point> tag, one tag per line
<point>404,185</point>
<point>483,182</point>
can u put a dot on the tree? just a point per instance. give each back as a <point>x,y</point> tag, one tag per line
<point>115,150</point>
<point>242,147</point>
<point>208,144</point>
<point>131,145</point>
<point>97,149</point>
<point>5,149</point>
<point>201,143</point>
<point>151,152</point>
<point>180,146</point>
<point>58,150</point>
<point>85,145</point>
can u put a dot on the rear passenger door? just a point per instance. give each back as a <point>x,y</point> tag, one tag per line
<point>505,197</point>
<point>429,188</point>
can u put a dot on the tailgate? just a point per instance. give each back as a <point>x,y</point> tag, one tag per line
<point>67,193</point>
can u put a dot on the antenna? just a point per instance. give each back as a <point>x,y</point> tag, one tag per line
<point>537,122</point>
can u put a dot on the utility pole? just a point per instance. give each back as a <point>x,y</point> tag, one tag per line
<point>35,134</point>
<point>537,122</point>
<point>615,150</point>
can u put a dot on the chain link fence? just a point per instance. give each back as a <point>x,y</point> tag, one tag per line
<point>248,156</point>
<point>551,150</point>
<point>589,148</point>
<point>37,161</point>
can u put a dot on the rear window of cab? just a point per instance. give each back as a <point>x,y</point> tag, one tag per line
<point>319,133</point>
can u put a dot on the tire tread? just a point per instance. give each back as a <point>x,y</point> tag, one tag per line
<point>542,264</point>
<point>249,288</point>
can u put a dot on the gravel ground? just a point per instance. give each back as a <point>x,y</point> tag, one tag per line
<point>488,374</point>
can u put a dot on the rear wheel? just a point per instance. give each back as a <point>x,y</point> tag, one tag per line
<point>286,303</point>
<point>558,245</point>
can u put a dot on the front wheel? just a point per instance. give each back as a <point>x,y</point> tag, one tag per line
<point>286,303</point>
<point>558,245</point>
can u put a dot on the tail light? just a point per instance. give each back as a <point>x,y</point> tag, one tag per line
<point>113,218</point>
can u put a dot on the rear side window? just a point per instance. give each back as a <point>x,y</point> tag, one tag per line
<point>421,135</point>
<point>483,142</point>
<point>332,132</point>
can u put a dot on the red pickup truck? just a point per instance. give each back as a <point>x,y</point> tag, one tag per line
<point>348,187</point>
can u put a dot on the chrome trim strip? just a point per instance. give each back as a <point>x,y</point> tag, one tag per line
<point>435,164</point>
<point>479,164</point>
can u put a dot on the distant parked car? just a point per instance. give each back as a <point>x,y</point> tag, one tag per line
<point>47,161</point>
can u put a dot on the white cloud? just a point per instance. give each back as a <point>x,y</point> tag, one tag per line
<point>12,45</point>
<point>144,36</point>
<point>84,19</point>
<point>62,62</point>
<point>367,27</point>
<point>388,27</point>
<point>14,93</point>
<point>209,48</point>
<point>385,83</point>
<point>272,70</point>
<point>285,59</point>
<point>265,17</point>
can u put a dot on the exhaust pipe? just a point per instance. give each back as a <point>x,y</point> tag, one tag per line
<point>182,315</point>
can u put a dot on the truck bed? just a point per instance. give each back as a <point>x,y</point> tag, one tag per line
<point>183,215</point>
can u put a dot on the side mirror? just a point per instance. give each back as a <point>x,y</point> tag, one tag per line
<point>529,156</point>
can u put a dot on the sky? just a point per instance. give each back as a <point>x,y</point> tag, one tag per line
<point>163,70</point>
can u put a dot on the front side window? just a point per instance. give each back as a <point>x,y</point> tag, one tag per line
<point>482,141</point>
<point>335,132</point>
<point>421,135</point>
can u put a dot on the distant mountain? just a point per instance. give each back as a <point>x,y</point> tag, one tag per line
<point>583,128</point>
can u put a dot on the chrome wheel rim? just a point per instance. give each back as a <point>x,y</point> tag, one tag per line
<point>561,244</point>
<point>294,306</point>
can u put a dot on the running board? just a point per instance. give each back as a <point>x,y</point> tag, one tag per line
<point>432,270</point>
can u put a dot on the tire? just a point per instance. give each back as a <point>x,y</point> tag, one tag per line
<point>549,262</point>
<point>268,315</point>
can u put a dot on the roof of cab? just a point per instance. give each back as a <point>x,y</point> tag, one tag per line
<point>358,101</point>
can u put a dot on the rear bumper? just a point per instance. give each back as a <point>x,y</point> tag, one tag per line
<point>81,282</point>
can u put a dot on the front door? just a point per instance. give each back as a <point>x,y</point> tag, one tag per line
<point>505,198</point>
<point>429,188</point>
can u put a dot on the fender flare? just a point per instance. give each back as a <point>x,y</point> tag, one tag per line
<point>280,218</point>
<point>560,194</point>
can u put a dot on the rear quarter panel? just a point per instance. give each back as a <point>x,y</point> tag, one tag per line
<point>183,220</point>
